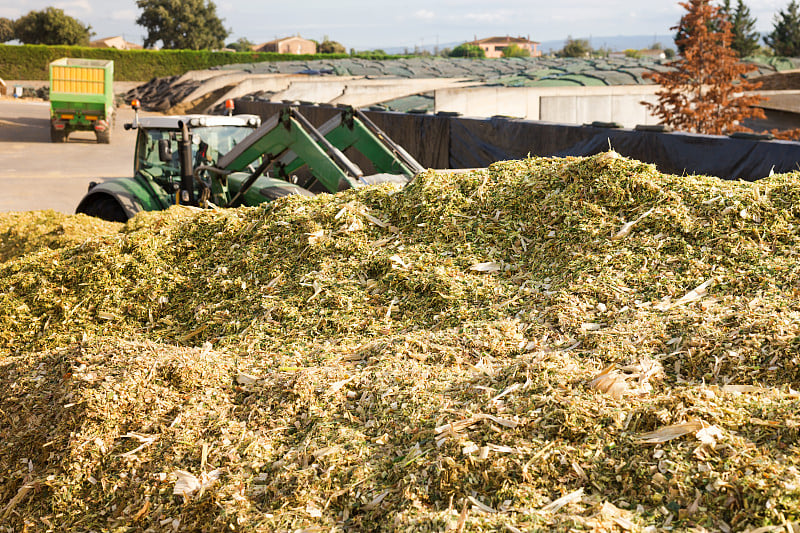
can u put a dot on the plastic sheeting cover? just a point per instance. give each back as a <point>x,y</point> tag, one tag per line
<point>475,143</point>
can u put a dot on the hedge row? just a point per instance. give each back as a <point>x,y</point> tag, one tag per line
<point>29,62</point>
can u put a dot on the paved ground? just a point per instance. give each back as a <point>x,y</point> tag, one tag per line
<point>37,174</point>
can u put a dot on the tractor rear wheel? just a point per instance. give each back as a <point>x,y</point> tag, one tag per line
<point>57,136</point>
<point>103,137</point>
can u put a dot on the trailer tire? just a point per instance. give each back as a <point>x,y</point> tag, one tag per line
<point>103,137</point>
<point>58,136</point>
<point>105,207</point>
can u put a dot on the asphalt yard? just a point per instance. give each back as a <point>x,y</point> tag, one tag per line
<point>37,174</point>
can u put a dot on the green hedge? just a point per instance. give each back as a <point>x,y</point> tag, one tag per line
<point>29,62</point>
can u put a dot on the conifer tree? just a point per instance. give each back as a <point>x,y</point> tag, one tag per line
<point>745,37</point>
<point>706,91</point>
<point>785,36</point>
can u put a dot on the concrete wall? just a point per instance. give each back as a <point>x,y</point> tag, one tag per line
<point>355,91</point>
<point>226,79</point>
<point>569,105</point>
<point>782,110</point>
<point>351,90</point>
<point>785,100</point>
<point>312,90</point>
<point>364,92</point>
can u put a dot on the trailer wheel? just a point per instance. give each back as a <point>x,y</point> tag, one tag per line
<point>103,137</point>
<point>58,136</point>
<point>105,207</point>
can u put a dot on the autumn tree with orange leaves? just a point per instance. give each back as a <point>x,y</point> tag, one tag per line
<point>706,91</point>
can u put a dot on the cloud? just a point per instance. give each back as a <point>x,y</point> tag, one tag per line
<point>75,6</point>
<point>493,17</point>
<point>125,15</point>
<point>424,14</point>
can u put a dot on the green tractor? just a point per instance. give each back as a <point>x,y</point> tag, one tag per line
<point>229,161</point>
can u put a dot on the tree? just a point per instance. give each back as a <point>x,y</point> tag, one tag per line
<point>181,24</point>
<point>51,26</point>
<point>704,92</point>
<point>242,44</point>
<point>468,50</point>
<point>6,30</point>
<point>575,48</point>
<point>516,51</point>
<point>785,36</point>
<point>684,30</point>
<point>743,26</point>
<point>330,47</point>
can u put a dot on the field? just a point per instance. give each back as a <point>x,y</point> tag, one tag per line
<point>546,344</point>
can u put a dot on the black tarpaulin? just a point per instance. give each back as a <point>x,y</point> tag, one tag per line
<point>480,142</point>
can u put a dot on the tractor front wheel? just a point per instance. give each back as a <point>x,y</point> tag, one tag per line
<point>105,207</point>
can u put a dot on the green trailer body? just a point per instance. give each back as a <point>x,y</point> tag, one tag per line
<point>81,98</point>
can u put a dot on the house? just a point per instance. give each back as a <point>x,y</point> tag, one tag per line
<point>288,45</point>
<point>494,46</point>
<point>115,42</point>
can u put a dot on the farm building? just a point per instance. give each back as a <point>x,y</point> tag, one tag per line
<point>288,45</point>
<point>494,46</point>
<point>117,42</point>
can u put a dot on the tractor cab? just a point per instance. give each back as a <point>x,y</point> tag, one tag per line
<point>157,154</point>
<point>160,177</point>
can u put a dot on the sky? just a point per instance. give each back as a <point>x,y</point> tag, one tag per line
<point>408,23</point>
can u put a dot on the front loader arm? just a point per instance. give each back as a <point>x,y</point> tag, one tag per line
<point>352,129</point>
<point>290,131</point>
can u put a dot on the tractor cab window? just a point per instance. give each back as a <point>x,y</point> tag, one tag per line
<point>157,150</point>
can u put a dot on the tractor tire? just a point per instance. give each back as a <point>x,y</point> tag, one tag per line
<point>104,207</point>
<point>103,137</point>
<point>58,136</point>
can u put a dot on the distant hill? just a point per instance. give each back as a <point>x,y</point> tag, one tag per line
<point>618,42</point>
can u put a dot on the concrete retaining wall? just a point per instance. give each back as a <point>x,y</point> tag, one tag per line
<point>572,105</point>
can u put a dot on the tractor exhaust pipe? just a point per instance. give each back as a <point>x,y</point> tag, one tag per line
<point>187,174</point>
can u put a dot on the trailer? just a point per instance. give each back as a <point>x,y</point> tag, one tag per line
<point>81,98</point>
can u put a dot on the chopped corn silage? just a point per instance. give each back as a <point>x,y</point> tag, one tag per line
<point>548,343</point>
<point>22,233</point>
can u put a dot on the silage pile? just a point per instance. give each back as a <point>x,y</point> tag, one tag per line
<point>548,343</point>
<point>23,233</point>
